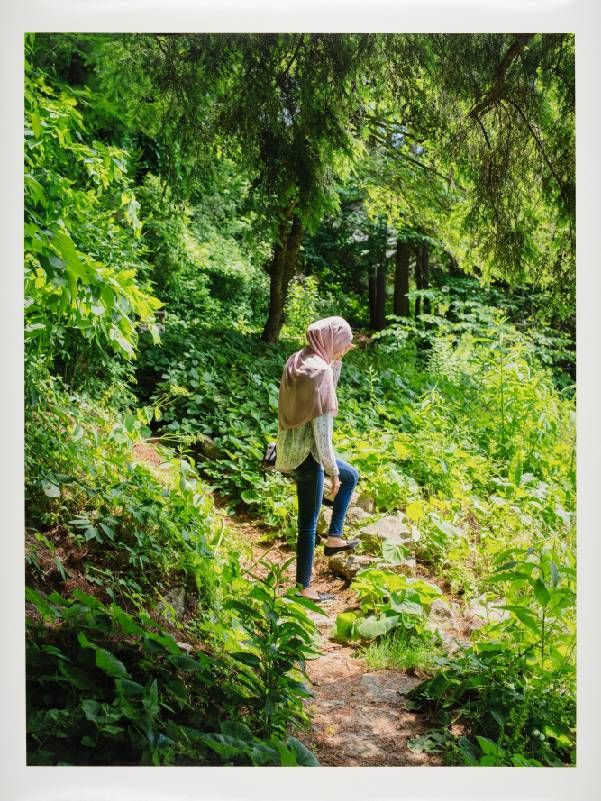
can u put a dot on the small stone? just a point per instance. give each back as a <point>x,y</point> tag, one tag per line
<point>366,503</point>
<point>386,687</point>
<point>175,599</point>
<point>390,528</point>
<point>441,609</point>
<point>320,619</point>
<point>347,565</point>
<point>404,568</point>
<point>324,520</point>
<point>480,611</point>
<point>444,619</point>
<point>355,514</point>
<point>207,447</point>
<point>450,643</point>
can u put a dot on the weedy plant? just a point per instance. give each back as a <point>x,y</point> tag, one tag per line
<point>387,601</point>
<point>105,687</point>
<point>511,692</point>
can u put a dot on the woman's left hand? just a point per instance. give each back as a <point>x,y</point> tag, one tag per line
<point>335,487</point>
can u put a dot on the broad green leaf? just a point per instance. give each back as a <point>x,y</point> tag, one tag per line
<point>525,616</point>
<point>344,625</point>
<point>247,658</point>
<point>69,252</point>
<point>36,124</point>
<point>303,755</point>
<point>394,552</point>
<point>541,592</point>
<point>487,746</point>
<point>90,709</point>
<point>128,687</point>
<point>415,511</point>
<point>372,626</point>
<point>50,489</point>
<point>109,663</point>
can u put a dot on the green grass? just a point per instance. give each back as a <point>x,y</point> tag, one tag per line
<point>395,651</point>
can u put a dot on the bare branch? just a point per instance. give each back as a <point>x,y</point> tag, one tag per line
<point>495,93</point>
<point>562,188</point>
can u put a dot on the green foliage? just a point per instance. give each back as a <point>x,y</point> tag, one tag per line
<point>83,297</point>
<point>81,480</point>
<point>150,174</point>
<point>198,263</point>
<point>279,637</point>
<point>387,600</point>
<point>512,690</point>
<point>301,308</point>
<point>123,693</point>
<point>397,651</point>
<point>105,687</point>
<point>217,368</point>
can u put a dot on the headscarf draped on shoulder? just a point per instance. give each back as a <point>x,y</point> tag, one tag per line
<point>307,385</point>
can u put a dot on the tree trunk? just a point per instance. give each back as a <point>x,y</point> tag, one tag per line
<point>454,267</point>
<point>373,297</point>
<point>401,279</point>
<point>426,275</point>
<point>377,278</point>
<point>418,278</point>
<point>281,269</point>
<point>381,296</point>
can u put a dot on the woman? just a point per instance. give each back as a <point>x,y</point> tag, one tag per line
<point>307,405</point>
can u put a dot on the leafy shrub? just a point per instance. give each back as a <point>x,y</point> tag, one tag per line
<point>105,688</point>
<point>81,481</point>
<point>85,293</point>
<point>302,307</point>
<point>279,637</point>
<point>387,600</point>
<point>512,691</point>
<point>398,651</point>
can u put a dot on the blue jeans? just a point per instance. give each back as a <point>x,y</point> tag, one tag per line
<point>309,477</point>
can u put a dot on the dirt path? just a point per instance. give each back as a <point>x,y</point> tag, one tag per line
<point>358,715</point>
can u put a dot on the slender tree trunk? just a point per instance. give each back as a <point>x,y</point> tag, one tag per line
<point>377,279</point>
<point>381,276</point>
<point>281,269</point>
<point>454,268</point>
<point>373,273</point>
<point>401,279</point>
<point>426,275</point>
<point>381,296</point>
<point>418,278</point>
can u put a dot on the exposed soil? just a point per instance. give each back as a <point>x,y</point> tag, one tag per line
<point>143,452</point>
<point>358,716</point>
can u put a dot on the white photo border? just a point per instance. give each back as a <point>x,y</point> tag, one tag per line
<point>21,783</point>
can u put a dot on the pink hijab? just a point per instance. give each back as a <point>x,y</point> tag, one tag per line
<point>307,385</point>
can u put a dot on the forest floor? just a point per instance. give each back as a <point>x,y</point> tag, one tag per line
<point>358,715</point>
